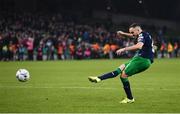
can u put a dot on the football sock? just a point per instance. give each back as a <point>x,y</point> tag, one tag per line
<point>127,87</point>
<point>110,74</point>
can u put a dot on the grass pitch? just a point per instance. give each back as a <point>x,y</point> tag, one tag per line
<point>62,86</point>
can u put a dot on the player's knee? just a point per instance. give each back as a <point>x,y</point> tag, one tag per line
<point>124,75</point>
<point>122,67</point>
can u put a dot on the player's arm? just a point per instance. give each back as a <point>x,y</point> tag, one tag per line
<point>124,33</point>
<point>137,46</point>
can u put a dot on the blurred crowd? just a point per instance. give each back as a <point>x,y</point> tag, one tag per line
<point>40,36</point>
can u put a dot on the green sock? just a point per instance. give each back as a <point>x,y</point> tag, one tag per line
<point>127,87</point>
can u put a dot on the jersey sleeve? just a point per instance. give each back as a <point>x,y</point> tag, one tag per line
<point>141,38</point>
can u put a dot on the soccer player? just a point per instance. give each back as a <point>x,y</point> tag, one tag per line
<point>139,63</point>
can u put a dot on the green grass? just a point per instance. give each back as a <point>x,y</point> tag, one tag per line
<point>62,86</point>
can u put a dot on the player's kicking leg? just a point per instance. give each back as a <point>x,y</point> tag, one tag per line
<point>107,75</point>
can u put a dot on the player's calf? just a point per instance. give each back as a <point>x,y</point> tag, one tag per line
<point>110,74</point>
<point>126,85</point>
<point>105,76</point>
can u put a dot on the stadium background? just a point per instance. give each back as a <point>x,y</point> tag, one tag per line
<point>43,36</point>
<point>83,29</point>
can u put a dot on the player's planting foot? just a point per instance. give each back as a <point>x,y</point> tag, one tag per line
<point>126,100</point>
<point>94,79</point>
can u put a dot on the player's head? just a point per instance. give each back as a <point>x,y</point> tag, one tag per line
<point>135,29</point>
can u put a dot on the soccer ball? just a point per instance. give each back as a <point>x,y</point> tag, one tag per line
<point>22,75</point>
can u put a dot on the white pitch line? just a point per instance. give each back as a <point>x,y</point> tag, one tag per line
<point>60,87</point>
<point>80,87</point>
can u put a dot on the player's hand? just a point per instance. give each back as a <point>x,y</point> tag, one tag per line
<point>120,51</point>
<point>120,33</point>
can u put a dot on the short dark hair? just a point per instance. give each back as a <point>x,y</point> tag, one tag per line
<point>134,25</point>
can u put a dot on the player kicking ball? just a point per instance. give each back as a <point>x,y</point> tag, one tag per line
<point>139,63</point>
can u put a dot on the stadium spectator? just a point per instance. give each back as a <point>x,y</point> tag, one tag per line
<point>22,52</point>
<point>87,53</point>
<point>79,53</point>
<point>163,49</point>
<point>106,50</point>
<point>60,51</point>
<point>29,43</point>
<point>176,49</point>
<point>170,50</point>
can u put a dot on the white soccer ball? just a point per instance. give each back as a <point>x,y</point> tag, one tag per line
<point>22,75</point>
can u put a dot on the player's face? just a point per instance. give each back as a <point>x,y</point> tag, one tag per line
<point>134,31</point>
